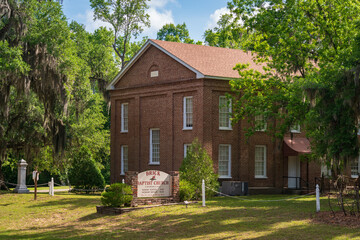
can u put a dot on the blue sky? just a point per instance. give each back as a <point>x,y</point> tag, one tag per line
<point>198,15</point>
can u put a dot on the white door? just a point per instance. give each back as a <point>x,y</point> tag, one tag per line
<point>293,171</point>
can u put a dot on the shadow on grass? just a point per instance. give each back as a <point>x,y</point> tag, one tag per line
<point>221,219</point>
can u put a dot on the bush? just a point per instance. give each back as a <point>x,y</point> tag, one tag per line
<point>117,195</point>
<point>84,173</point>
<point>186,190</point>
<point>198,165</point>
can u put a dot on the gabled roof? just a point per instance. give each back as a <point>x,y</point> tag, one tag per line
<point>205,61</point>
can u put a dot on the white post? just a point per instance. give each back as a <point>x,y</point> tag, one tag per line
<point>52,186</point>
<point>123,181</point>
<point>203,193</point>
<point>317,198</point>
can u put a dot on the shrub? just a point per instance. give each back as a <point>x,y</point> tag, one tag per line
<point>84,173</point>
<point>117,195</point>
<point>198,165</point>
<point>186,190</point>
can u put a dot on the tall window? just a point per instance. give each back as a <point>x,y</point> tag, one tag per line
<point>260,123</point>
<point>124,117</point>
<point>224,113</point>
<point>124,159</point>
<point>154,146</point>
<point>295,128</point>
<point>188,113</point>
<point>260,161</point>
<point>224,161</point>
<point>355,168</point>
<point>186,149</point>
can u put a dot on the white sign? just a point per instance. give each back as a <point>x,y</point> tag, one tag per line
<point>153,183</point>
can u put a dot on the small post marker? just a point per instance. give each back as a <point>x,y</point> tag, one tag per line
<point>203,193</point>
<point>123,181</point>
<point>317,198</point>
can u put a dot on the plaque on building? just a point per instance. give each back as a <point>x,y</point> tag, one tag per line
<point>153,183</point>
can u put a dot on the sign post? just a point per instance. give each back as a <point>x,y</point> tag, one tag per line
<point>35,178</point>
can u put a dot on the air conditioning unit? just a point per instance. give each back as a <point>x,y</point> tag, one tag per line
<point>235,188</point>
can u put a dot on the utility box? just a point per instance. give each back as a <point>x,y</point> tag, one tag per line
<point>235,188</point>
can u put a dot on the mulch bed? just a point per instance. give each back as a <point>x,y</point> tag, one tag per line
<point>339,219</point>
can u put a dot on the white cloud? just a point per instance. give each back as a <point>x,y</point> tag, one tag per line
<point>215,17</point>
<point>91,25</point>
<point>159,3</point>
<point>158,18</point>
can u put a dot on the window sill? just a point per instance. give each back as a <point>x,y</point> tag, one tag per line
<point>154,164</point>
<point>295,131</point>
<point>184,129</point>
<point>354,176</point>
<point>223,128</point>
<point>122,174</point>
<point>261,177</point>
<point>124,131</point>
<point>225,177</point>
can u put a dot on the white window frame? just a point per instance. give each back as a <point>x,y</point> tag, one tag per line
<point>260,118</point>
<point>295,128</point>
<point>185,113</point>
<point>151,162</point>
<point>228,112</point>
<point>229,160</point>
<point>123,159</point>
<point>358,168</point>
<point>265,160</point>
<point>186,145</point>
<point>124,124</point>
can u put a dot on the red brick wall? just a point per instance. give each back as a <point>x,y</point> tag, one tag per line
<point>158,103</point>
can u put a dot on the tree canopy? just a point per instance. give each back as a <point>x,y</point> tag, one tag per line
<point>127,18</point>
<point>312,47</point>
<point>175,33</point>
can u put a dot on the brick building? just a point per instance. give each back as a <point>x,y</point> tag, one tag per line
<point>171,93</point>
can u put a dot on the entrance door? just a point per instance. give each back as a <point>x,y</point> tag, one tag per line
<point>293,171</point>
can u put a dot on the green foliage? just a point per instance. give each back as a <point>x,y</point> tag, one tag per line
<point>172,33</point>
<point>186,190</point>
<point>117,195</point>
<point>313,46</point>
<point>127,17</point>
<point>196,166</point>
<point>228,34</point>
<point>84,172</point>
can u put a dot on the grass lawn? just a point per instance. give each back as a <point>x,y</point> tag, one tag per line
<point>74,216</point>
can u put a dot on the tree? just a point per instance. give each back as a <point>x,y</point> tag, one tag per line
<point>228,34</point>
<point>84,173</point>
<point>196,166</point>
<point>127,18</point>
<point>313,48</point>
<point>172,33</point>
<point>49,107</point>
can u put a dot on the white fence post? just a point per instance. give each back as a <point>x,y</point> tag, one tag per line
<point>51,187</point>
<point>203,193</point>
<point>123,181</point>
<point>317,198</point>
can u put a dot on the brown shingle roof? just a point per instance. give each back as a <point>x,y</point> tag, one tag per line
<point>210,61</point>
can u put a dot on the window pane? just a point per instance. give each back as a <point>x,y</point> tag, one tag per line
<point>224,113</point>
<point>124,158</point>
<point>260,123</point>
<point>124,117</point>
<point>260,161</point>
<point>224,160</point>
<point>355,168</point>
<point>188,112</point>
<point>155,144</point>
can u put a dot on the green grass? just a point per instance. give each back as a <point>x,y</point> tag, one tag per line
<point>74,216</point>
